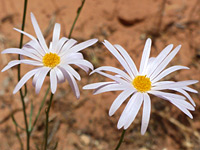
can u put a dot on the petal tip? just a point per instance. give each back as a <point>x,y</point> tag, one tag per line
<point>95,40</point>
<point>143,132</point>
<point>110,113</point>
<point>15,91</point>
<point>32,15</point>
<point>149,39</point>
<point>179,46</point>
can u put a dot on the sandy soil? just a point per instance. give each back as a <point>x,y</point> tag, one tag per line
<point>84,124</point>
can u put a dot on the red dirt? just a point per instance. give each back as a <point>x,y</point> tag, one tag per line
<point>84,123</point>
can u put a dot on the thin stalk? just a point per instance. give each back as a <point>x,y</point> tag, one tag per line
<point>15,122</point>
<point>121,140</point>
<point>47,121</point>
<point>77,15</point>
<point>51,98</point>
<point>19,138</point>
<point>41,106</point>
<point>21,94</point>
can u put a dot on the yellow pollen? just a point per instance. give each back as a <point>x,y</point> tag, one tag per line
<point>51,60</point>
<point>142,83</point>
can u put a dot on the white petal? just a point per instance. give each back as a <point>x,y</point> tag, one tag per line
<point>30,36</point>
<point>50,47</point>
<point>150,65</point>
<point>168,71</point>
<point>39,33</point>
<point>160,58</point>
<point>183,109</point>
<point>165,62</point>
<point>159,93</point>
<point>31,62</point>
<point>145,56</point>
<point>24,79</point>
<point>56,35</point>
<point>111,48</point>
<point>119,100</point>
<point>65,49</point>
<point>41,78</point>
<point>183,103</point>
<point>11,64</point>
<point>72,83</point>
<point>61,44</point>
<point>86,69</point>
<point>161,83</point>
<point>179,84</point>
<point>186,95</point>
<point>72,56</point>
<point>21,52</point>
<point>31,50</point>
<point>71,71</point>
<point>80,62</point>
<point>134,110</point>
<point>127,109</point>
<point>83,45</point>
<point>36,45</point>
<point>24,61</point>
<point>36,76</point>
<point>190,89</point>
<point>96,85</point>
<point>146,113</point>
<point>108,88</point>
<point>59,75</point>
<point>117,79</point>
<point>53,81</point>
<point>128,59</point>
<point>115,70</point>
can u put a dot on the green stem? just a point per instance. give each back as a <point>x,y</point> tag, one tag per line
<point>19,138</point>
<point>121,140</point>
<point>77,15</point>
<point>41,106</point>
<point>21,94</point>
<point>51,98</point>
<point>26,122</point>
<point>47,121</point>
<point>15,122</point>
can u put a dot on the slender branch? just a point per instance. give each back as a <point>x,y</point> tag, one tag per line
<point>21,94</point>
<point>41,106</point>
<point>121,140</point>
<point>30,117</point>
<point>47,121</point>
<point>77,15</point>
<point>19,138</point>
<point>15,122</point>
<point>23,23</point>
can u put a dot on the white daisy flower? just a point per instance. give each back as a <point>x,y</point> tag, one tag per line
<point>139,84</point>
<point>55,60</point>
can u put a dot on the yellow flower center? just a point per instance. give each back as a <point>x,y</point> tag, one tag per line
<point>51,60</point>
<point>142,83</point>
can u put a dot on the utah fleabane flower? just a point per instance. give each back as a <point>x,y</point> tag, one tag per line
<point>55,60</point>
<point>139,84</point>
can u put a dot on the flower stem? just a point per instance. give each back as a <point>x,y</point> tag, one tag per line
<point>51,98</point>
<point>121,140</point>
<point>41,105</point>
<point>21,94</point>
<point>19,138</point>
<point>77,15</point>
<point>47,121</point>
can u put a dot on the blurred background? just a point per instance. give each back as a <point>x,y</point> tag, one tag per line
<point>84,124</point>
